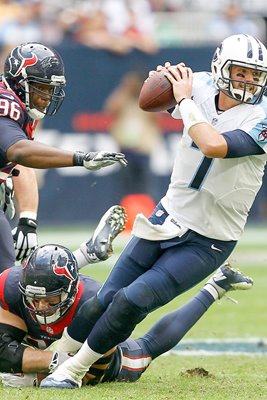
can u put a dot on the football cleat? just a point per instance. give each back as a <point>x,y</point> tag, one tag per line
<point>227,278</point>
<point>64,377</point>
<point>51,383</point>
<point>99,247</point>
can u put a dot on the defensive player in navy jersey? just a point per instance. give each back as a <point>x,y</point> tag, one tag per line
<point>217,173</point>
<point>31,87</point>
<point>39,300</point>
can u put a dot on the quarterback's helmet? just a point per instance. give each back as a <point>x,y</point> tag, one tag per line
<point>244,51</point>
<point>51,270</point>
<point>28,67</point>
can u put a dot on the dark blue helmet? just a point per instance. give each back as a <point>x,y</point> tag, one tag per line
<point>29,67</point>
<point>50,271</point>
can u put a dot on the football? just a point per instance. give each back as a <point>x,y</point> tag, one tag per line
<point>156,93</point>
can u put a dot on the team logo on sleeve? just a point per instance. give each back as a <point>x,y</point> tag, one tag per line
<point>263,135</point>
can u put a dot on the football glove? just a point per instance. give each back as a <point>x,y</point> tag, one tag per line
<point>25,237</point>
<point>58,358</point>
<point>97,160</point>
<point>6,198</point>
<point>18,380</point>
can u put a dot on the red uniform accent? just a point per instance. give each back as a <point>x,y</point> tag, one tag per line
<point>4,276</point>
<point>59,326</point>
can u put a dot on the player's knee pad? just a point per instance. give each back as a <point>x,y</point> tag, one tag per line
<point>122,315</point>
<point>143,297</point>
<point>85,319</point>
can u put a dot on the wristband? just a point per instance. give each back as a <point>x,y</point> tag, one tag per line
<point>189,112</point>
<point>78,158</point>
<point>28,214</point>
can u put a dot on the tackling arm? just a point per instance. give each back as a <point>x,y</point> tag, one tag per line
<point>38,155</point>
<point>17,357</point>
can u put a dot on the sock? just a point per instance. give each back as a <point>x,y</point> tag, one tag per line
<point>66,344</point>
<point>214,290</point>
<point>175,325</point>
<point>77,366</point>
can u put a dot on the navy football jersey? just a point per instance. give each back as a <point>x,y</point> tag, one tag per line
<point>15,125</point>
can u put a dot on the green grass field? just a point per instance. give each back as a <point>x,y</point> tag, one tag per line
<point>187,377</point>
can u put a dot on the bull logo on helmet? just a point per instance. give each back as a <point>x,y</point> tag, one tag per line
<point>18,62</point>
<point>63,270</point>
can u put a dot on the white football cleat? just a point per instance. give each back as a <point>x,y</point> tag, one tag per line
<point>64,377</point>
<point>99,247</point>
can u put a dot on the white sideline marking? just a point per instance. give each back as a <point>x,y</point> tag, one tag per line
<point>215,347</point>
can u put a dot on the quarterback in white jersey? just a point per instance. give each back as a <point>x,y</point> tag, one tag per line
<point>213,196</point>
<point>193,230</point>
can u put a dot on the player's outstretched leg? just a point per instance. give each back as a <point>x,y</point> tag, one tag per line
<point>99,247</point>
<point>227,278</point>
<point>173,326</point>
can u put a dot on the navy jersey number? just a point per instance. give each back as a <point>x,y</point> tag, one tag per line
<point>201,172</point>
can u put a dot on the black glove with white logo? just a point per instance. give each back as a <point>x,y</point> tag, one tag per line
<point>25,237</point>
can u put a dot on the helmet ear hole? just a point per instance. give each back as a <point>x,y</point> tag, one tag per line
<point>50,271</point>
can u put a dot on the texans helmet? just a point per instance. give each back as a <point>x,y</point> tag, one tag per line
<point>28,67</point>
<point>50,270</point>
<point>244,51</point>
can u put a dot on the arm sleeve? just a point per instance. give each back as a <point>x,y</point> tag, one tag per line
<point>240,144</point>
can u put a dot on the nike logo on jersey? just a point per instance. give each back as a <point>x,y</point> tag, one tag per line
<point>215,248</point>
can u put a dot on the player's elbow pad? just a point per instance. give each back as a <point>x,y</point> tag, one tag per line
<point>11,350</point>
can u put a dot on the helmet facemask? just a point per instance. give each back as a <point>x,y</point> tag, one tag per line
<point>54,312</point>
<point>32,88</point>
<point>242,51</point>
<point>244,95</point>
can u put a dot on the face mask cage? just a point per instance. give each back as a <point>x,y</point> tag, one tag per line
<point>56,97</point>
<point>54,312</point>
<point>243,95</point>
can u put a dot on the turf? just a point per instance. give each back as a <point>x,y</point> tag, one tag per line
<point>190,377</point>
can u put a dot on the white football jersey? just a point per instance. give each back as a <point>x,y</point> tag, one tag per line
<point>213,196</point>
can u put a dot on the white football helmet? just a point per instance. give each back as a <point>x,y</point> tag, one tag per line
<point>245,51</point>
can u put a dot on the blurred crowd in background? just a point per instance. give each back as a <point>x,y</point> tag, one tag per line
<point>119,27</point>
